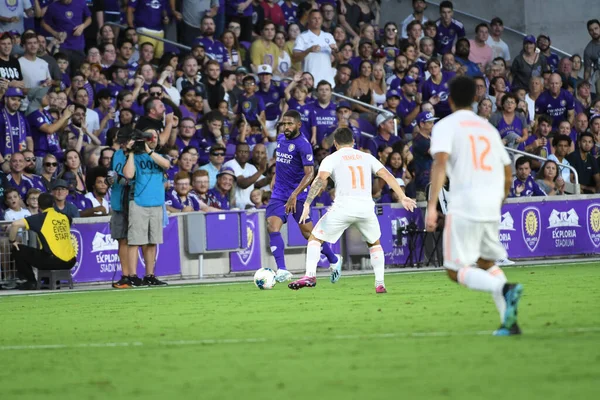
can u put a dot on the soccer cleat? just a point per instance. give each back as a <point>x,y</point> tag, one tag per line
<point>503,331</point>
<point>336,270</point>
<point>512,295</point>
<point>305,281</point>
<point>380,289</point>
<point>136,280</point>
<point>151,280</point>
<point>504,262</point>
<point>283,275</point>
<point>123,283</point>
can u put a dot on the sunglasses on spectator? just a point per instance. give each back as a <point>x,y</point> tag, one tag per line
<point>155,94</point>
<point>218,154</point>
<point>28,159</point>
<point>50,164</point>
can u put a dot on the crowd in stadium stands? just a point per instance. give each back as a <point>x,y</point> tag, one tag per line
<point>69,81</point>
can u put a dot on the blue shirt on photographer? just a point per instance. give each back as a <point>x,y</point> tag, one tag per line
<point>149,178</point>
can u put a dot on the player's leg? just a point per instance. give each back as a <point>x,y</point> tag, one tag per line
<point>329,229</point>
<point>462,240</point>
<point>507,302</point>
<point>276,217</point>
<point>371,232</point>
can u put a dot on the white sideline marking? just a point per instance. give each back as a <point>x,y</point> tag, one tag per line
<point>265,339</point>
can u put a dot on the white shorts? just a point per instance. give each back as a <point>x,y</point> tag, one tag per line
<point>465,241</point>
<point>332,225</point>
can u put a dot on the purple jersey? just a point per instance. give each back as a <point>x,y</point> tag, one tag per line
<point>43,143</point>
<point>304,111</point>
<point>289,12</point>
<point>80,201</point>
<point>251,107</point>
<point>516,126</point>
<point>445,37</point>
<point>219,200</point>
<point>232,9</point>
<point>431,89</point>
<point>148,13</point>
<point>23,186</point>
<point>531,188</point>
<point>214,49</point>
<point>180,144</point>
<point>552,61</point>
<point>405,107</point>
<point>175,201</point>
<point>323,118</point>
<point>544,152</point>
<point>65,18</point>
<point>271,99</point>
<point>292,156</point>
<point>557,108</point>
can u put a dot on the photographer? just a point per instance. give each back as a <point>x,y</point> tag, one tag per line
<point>145,169</point>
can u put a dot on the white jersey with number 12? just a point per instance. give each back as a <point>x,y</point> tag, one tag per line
<point>475,165</point>
<point>352,172</point>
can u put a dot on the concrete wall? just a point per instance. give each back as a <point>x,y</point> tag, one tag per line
<point>563,20</point>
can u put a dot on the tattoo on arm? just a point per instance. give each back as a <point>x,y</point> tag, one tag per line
<point>317,185</point>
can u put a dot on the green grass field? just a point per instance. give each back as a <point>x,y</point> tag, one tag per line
<point>426,339</point>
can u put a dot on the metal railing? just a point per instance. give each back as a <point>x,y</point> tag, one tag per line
<point>371,107</point>
<point>576,187</point>
<point>141,33</point>
<point>487,21</point>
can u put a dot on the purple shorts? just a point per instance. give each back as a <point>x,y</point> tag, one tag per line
<point>276,208</point>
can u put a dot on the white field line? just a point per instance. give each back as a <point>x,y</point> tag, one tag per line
<point>393,335</point>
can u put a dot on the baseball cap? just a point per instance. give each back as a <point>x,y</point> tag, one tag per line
<point>382,118</point>
<point>227,171</point>
<point>343,104</point>
<point>426,116</point>
<point>407,80</point>
<point>392,93</point>
<point>265,69</point>
<point>14,92</point>
<point>529,39</point>
<point>241,70</point>
<point>60,183</point>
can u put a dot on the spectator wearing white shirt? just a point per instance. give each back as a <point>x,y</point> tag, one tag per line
<point>92,119</point>
<point>314,49</point>
<point>246,175</point>
<point>499,47</point>
<point>419,7</point>
<point>562,146</point>
<point>97,189</point>
<point>35,71</point>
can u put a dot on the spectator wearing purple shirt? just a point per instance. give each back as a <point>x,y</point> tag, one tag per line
<point>241,10</point>
<point>420,149</point>
<point>408,109</point>
<point>323,113</point>
<point>544,43</point>
<point>222,192</point>
<point>524,185</point>
<point>556,102</point>
<point>435,89</point>
<point>16,177</point>
<point>149,16</point>
<point>66,20</point>
<point>15,134</point>
<point>296,95</point>
<point>270,94</point>
<point>178,199</point>
<point>252,106</point>
<point>44,130</point>
<point>290,11</point>
<point>212,48</point>
<point>448,29</point>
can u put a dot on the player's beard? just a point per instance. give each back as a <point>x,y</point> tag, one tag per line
<point>290,134</point>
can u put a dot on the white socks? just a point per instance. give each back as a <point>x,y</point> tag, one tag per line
<point>499,297</point>
<point>313,255</point>
<point>378,264</point>
<point>478,279</point>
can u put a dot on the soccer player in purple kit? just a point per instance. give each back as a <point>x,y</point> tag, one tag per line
<point>556,102</point>
<point>294,173</point>
<point>448,29</point>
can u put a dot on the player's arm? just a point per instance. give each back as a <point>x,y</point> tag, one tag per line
<point>309,172</point>
<point>384,174</point>
<point>317,187</point>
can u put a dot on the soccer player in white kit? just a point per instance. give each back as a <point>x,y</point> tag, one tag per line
<point>469,149</point>
<point>353,206</point>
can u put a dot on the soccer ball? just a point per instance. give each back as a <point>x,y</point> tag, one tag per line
<point>264,279</point>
